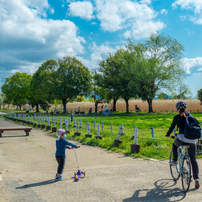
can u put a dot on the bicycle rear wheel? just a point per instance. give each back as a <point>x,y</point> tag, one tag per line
<point>174,170</point>
<point>186,174</point>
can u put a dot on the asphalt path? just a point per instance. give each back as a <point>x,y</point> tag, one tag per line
<point>28,168</point>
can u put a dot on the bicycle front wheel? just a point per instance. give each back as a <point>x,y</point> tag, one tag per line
<point>186,173</point>
<point>174,170</point>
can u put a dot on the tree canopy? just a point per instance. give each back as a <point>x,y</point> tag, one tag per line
<point>17,88</point>
<point>72,79</point>
<point>199,95</point>
<point>159,67</point>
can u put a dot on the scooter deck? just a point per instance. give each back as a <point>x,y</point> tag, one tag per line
<point>78,175</point>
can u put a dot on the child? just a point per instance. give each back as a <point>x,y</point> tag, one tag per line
<point>61,145</point>
<point>71,115</point>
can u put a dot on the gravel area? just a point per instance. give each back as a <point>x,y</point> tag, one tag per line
<point>28,168</point>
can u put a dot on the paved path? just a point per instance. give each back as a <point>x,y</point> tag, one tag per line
<point>28,168</point>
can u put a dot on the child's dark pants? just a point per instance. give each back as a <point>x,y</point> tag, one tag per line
<point>61,163</point>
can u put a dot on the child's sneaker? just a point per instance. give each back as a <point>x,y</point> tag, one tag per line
<point>197,184</point>
<point>58,178</point>
<point>173,163</point>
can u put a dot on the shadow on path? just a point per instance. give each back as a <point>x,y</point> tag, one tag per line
<point>164,191</point>
<point>37,184</point>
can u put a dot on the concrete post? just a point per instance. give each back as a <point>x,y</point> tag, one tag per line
<point>88,130</point>
<point>77,133</point>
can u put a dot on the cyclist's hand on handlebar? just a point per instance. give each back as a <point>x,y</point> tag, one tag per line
<point>78,146</point>
<point>168,136</point>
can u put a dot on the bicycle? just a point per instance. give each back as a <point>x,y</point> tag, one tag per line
<point>184,167</point>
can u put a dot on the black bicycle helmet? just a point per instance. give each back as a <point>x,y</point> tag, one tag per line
<point>181,105</point>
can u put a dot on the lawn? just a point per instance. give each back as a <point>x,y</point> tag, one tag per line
<point>157,147</point>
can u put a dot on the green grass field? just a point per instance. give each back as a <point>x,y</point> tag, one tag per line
<point>157,147</point>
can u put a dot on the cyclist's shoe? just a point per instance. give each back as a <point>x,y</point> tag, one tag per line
<point>197,184</point>
<point>173,163</point>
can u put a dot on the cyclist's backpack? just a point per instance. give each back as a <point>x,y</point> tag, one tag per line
<point>192,129</point>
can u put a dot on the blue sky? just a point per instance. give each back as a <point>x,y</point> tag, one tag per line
<point>32,31</point>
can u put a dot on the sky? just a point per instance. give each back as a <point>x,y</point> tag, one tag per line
<point>33,31</point>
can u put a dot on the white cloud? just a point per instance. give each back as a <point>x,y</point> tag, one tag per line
<point>189,63</point>
<point>194,81</point>
<point>164,11</point>
<point>145,1</point>
<point>194,5</point>
<point>82,9</point>
<point>183,17</point>
<point>116,15</point>
<point>28,39</point>
<point>141,29</point>
<point>98,54</point>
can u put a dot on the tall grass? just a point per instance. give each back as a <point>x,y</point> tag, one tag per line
<point>158,106</point>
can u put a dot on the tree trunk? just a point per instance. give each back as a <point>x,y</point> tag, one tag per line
<point>150,104</point>
<point>20,107</point>
<point>114,104</point>
<point>96,104</point>
<point>127,105</point>
<point>37,107</point>
<point>64,106</point>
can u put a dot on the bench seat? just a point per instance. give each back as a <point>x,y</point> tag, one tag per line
<point>26,129</point>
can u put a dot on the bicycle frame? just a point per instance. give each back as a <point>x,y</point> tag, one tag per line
<point>184,170</point>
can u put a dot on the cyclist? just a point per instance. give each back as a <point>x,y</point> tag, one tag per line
<point>179,120</point>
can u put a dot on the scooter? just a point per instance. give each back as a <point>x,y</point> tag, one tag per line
<point>79,173</point>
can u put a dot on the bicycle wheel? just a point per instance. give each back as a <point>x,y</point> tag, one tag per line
<point>186,174</point>
<point>174,170</point>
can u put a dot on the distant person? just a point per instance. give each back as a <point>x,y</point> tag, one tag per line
<point>179,120</point>
<point>71,116</point>
<point>90,111</point>
<point>106,109</point>
<point>61,145</point>
<point>79,109</point>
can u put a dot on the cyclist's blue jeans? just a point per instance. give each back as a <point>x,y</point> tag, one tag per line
<point>61,163</point>
<point>192,155</point>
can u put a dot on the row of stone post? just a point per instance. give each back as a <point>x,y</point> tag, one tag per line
<point>134,147</point>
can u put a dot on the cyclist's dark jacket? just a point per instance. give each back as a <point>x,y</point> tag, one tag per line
<point>180,122</point>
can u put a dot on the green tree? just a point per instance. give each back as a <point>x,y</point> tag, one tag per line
<point>1,100</point>
<point>17,88</point>
<point>163,96</point>
<point>72,79</point>
<point>160,67</point>
<point>199,95</point>
<point>43,84</point>
<point>115,76</point>
<point>98,93</point>
<point>181,92</point>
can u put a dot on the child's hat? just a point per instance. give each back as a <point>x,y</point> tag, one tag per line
<point>60,132</point>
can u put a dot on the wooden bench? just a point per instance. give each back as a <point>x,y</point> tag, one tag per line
<point>26,129</point>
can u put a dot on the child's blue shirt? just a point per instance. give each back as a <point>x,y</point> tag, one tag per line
<point>61,147</point>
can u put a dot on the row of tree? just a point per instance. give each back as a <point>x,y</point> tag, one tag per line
<point>139,70</point>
